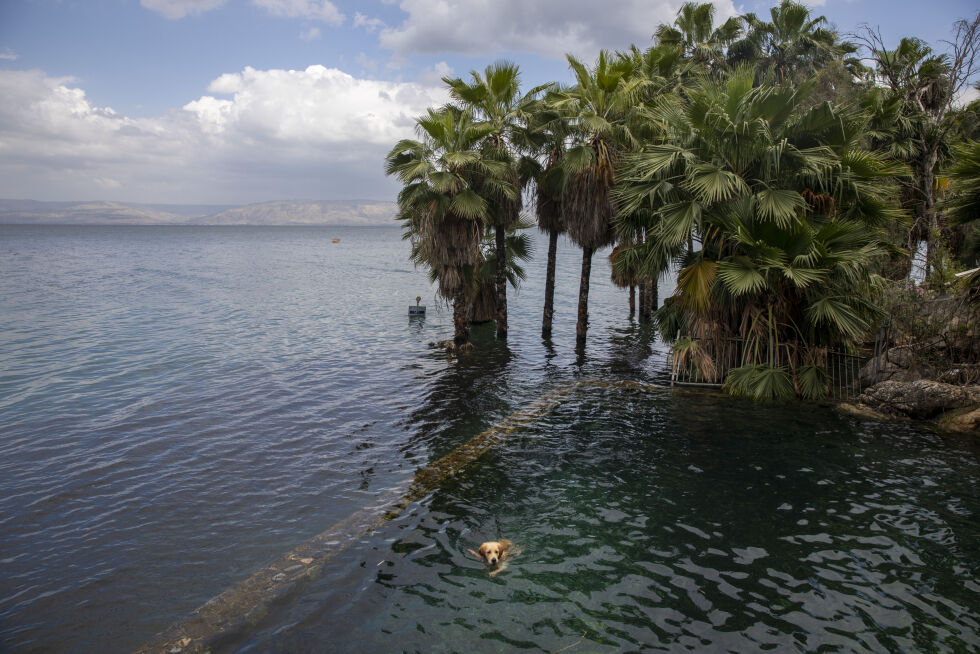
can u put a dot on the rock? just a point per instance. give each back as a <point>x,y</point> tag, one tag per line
<point>860,410</point>
<point>921,399</point>
<point>967,421</point>
<point>897,364</point>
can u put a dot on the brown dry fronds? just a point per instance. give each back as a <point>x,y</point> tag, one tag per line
<point>550,218</point>
<point>588,208</point>
<point>620,277</point>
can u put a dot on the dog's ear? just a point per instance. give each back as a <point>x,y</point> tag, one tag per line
<point>476,554</point>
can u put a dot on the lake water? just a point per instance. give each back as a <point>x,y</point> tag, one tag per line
<point>180,406</point>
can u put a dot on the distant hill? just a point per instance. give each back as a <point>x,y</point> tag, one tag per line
<point>83,213</point>
<point>352,212</point>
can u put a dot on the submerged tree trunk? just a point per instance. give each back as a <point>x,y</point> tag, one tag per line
<point>649,304</point>
<point>632,300</point>
<point>583,298</point>
<point>549,286</point>
<point>461,309</point>
<point>501,282</point>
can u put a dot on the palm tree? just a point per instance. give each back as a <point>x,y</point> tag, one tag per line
<point>624,275</point>
<point>965,173</point>
<point>495,99</point>
<point>441,205</point>
<point>927,85</point>
<point>964,204</point>
<point>795,44</point>
<point>548,134</point>
<point>696,37</point>
<point>639,258</point>
<point>785,205</point>
<point>597,108</point>
<point>483,292</point>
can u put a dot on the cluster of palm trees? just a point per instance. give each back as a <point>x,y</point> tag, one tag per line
<point>753,157</point>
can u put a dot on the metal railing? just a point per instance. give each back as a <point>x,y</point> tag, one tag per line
<point>709,361</point>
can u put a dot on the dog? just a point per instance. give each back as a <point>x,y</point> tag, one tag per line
<point>494,554</point>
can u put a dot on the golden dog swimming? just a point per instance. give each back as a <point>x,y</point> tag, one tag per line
<point>494,554</point>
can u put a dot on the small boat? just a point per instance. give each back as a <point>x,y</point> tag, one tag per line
<point>418,309</point>
<point>336,240</point>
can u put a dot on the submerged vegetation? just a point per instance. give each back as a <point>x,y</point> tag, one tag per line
<point>788,176</point>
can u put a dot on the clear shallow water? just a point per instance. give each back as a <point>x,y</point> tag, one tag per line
<point>647,526</point>
<point>179,406</point>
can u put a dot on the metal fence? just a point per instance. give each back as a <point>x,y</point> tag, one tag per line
<point>710,360</point>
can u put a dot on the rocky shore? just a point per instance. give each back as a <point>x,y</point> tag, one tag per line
<point>951,407</point>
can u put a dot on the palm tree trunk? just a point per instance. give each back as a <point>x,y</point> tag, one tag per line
<point>633,300</point>
<point>929,215</point>
<point>549,286</point>
<point>501,282</point>
<point>583,298</point>
<point>460,313</point>
<point>649,299</point>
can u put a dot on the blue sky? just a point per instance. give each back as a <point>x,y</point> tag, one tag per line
<point>235,101</point>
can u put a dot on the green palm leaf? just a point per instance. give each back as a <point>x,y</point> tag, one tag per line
<point>710,183</point>
<point>781,206</point>
<point>838,314</point>
<point>740,276</point>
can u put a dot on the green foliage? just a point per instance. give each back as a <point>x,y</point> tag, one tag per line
<point>733,152</point>
<point>964,201</point>
<point>813,382</point>
<point>441,205</point>
<point>760,382</point>
<point>780,197</point>
<point>670,320</point>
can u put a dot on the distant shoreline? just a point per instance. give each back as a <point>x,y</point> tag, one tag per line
<point>122,224</point>
<point>352,213</point>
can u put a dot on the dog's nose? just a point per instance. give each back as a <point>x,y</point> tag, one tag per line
<point>493,561</point>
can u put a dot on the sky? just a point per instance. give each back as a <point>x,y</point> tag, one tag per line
<point>243,101</point>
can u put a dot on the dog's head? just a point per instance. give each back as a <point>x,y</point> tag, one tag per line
<point>491,552</point>
<point>494,551</point>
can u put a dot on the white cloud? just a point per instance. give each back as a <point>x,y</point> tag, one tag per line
<point>311,34</point>
<point>8,55</point>
<point>369,24</point>
<point>549,27</point>
<point>316,105</point>
<point>174,9</point>
<point>432,75</point>
<point>966,96</point>
<point>314,133</point>
<point>107,182</point>
<point>311,9</point>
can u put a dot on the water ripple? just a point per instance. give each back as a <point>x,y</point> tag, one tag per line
<point>181,405</point>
